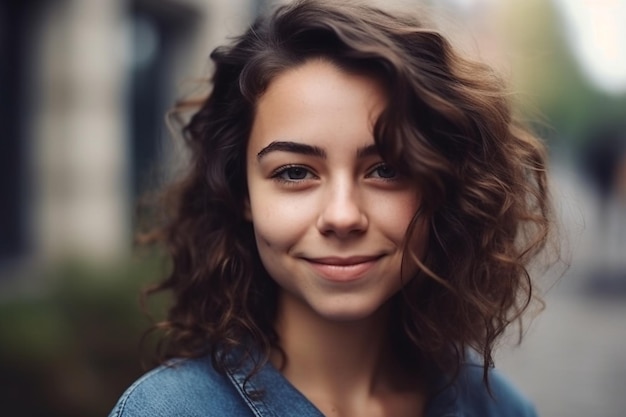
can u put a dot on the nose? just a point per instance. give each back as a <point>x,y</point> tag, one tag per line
<point>342,213</point>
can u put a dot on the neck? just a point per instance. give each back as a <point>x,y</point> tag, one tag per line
<point>323,356</point>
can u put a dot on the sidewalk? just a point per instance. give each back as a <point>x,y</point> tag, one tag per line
<point>573,360</point>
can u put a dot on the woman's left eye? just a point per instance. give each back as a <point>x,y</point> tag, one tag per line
<point>384,171</point>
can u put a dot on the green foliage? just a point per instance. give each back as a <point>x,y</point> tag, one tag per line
<point>552,81</point>
<point>72,349</point>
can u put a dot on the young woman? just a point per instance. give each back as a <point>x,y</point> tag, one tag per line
<point>354,231</point>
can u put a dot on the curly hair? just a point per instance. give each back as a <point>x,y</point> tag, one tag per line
<point>448,125</point>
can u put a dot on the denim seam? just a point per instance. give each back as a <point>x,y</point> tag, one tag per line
<point>258,407</point>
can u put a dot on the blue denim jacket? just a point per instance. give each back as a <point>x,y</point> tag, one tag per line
<point>191,387</point>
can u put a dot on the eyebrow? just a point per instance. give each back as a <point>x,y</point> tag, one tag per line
<point>303,149</point>
<point>292,147</point>
<point>369,150</point>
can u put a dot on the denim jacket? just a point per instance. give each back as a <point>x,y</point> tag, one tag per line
<point>192,387</point>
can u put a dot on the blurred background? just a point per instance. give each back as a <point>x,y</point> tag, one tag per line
<point>84,87</point>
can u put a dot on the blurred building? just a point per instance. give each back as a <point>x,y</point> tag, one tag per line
<point>85,87</point>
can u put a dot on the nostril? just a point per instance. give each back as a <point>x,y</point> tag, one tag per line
<point>342,220</point>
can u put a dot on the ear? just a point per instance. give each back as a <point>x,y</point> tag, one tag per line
<point>247,212</point>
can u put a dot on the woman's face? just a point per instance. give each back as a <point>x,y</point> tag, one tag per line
<point>329,215</point>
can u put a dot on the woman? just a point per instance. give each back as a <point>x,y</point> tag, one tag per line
<point>354,231</point>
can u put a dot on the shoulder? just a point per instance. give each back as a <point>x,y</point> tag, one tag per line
<point>475,400</point>
<point>189,387</point>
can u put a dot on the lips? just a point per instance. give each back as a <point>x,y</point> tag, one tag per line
<point>339,269</point>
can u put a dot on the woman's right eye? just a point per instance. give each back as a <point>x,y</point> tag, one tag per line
<point>293,173</point>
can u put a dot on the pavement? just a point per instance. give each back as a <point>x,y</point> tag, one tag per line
<point>572,361</point>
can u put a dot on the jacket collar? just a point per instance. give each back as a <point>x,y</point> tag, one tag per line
<point>267,393</point>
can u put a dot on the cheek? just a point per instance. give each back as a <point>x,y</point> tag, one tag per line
<point>397,212</point>
<point>279,223</point>
<point>277,231</point>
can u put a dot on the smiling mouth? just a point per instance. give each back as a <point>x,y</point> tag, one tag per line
<point>343,269</point>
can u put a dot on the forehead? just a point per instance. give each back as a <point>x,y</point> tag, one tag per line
<point>320,76</point>
<point>318,101</point>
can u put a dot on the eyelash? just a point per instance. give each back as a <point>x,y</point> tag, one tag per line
<point>380,165</point>
<point>277,174</point>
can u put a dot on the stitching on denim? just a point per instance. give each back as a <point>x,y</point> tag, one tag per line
<point>258,407</point>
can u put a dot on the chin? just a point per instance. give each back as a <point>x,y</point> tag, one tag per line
<point>348,312</point>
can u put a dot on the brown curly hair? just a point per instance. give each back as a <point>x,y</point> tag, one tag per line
<point>448,125</point>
